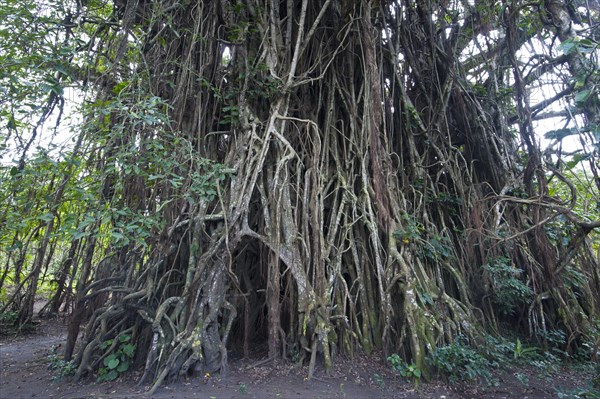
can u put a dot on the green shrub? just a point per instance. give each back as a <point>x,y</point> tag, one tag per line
<point>8,318</point>
<point>410,371</point>
<point>508,290</point>
<point>61,368</point>
<point>117,362</point>
<point>521,351</point>
<point>7,322</point>
<point>460,362</point>
<point>552,339</point>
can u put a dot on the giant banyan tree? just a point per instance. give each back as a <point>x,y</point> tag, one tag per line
<point>321,177</point>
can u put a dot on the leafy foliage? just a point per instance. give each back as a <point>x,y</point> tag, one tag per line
<point>62,369</point>
<point>508,289</point>
<point>7,319</point>
<point>119,360</point>
<point>410,371</point>
<point>460,362</point>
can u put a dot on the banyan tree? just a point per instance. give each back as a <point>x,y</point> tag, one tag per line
<point>312,177</point>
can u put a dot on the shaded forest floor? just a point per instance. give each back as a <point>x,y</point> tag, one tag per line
<point>25,373</point>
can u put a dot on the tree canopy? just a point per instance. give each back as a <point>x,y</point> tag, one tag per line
<point>322,177</point>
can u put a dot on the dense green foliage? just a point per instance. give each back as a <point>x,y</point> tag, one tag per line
<point>187,178</point>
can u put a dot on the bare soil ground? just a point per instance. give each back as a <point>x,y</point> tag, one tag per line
<point>24,373</point>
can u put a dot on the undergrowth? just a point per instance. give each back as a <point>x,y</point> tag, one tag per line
<point>61,368</point>
<point>464,361</point>
<point>7,321</point>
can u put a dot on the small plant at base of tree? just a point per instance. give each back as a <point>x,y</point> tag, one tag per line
<point>509,289</point>
<point>7,320</point>
<point>409,371</point>
<point>61,368</point>
<point>460,362</point>
<point>117,362</point>
<point>521,351</point>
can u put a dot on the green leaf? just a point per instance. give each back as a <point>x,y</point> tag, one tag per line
<point>63,70</point>
<point>105,345</point>
<point>110,358</point>
<point>113,363</point>
<point>17,245</point>
<point>128,350</point>
<point>586,46</point>
<point>560,134</point>
<point>79,234</point>
<point>119,87</point>
<point>123,367</point>
<point>582,96</point>
<point>576,159</point>
<point>568,46</point>
<point>46,217</point>
<point>595,130</point>
<point>111,375</point>
<point>116,235</point>
<point>124,337</point>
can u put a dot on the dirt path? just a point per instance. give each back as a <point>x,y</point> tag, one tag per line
<point>24,373</point>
